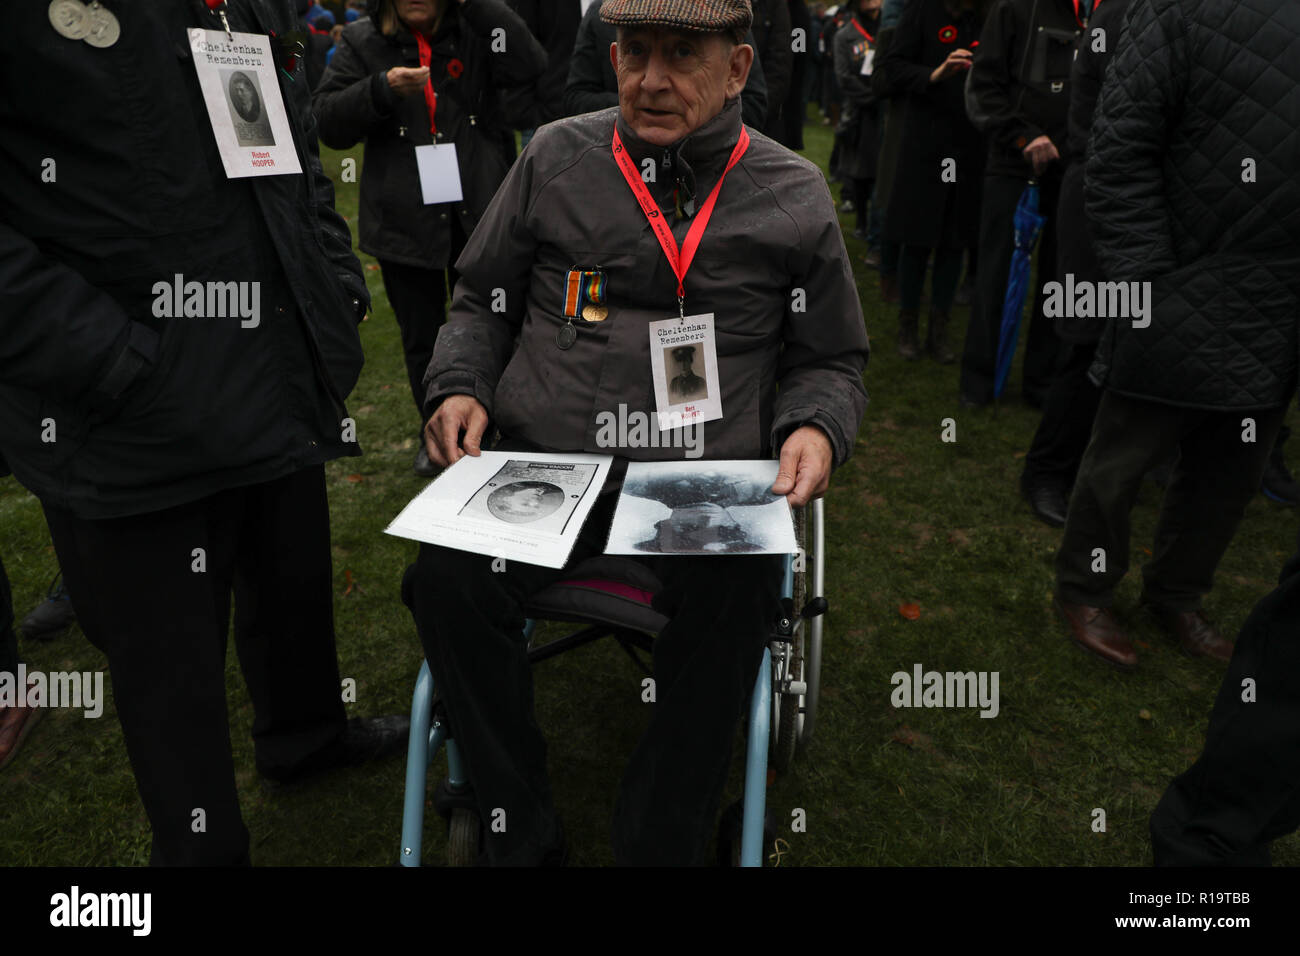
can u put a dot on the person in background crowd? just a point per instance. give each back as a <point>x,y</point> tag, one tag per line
<point>319,43</point>
<point>593,86</point>
<point>351,14</point>
<point>817,55</point>
<point>335,33</point>
<point>774,53</point>
<point>789,129</point>
<point>1071,405</point>
<point>188,472</point>
<point>1207,365</point>
<point>16,722</point>
<point>858,133</point>
<point>1018,95</point>
<point>555,24</point>
<point>933,207</point>
<point>882,251</point>
<point>417,73</point>
<point>830,98</point>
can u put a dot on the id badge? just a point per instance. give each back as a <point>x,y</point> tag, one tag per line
<point>439,173</point>
<point>868,62</point>
<point>684,367</point>
<point>240,90</point>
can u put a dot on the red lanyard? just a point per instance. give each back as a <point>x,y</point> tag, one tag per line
<point>430,97</point>
<point>680,263</point>
<point>1095,5</point>
<point>870,39</point>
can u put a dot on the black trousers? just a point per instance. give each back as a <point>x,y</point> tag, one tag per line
<point>997,242</point>
<point>1215,475</point>
<point>1066,425</point>
<point>1244,791</point>
<point>419,300</point>
<point>162,623</point>
<point>8,637</point>
<point>471,620</point>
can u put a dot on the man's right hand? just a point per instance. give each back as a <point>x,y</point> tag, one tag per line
<point>1040,152</point>
<point>408,80</point>
<point>442,434</point>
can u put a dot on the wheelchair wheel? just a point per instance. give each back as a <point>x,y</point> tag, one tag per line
<point>462,838</point>
<point>815,578</point>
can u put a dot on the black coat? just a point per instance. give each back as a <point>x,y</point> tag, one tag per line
<point>354,102</point>
<point>924,208</point>
<point>555,24</point>
<point>593,86</point>
<point>1074,252</point>
<point>773,49</point>
<point>1186,102</point>
<point>1018,87</point>
<point>151,412</point>
<point>859,129</point>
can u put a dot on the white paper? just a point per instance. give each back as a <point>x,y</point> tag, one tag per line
<point>701,507</point>
<point>439,173</point>
<point>520,506</point>
<point>242,94</point>
<point>868,62</point>
<point>684,368</point>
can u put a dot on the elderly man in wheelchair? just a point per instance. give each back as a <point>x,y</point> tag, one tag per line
<point>617,237</point>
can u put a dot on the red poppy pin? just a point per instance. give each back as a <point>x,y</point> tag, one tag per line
<point>948,34</point>
<point>455,68</point>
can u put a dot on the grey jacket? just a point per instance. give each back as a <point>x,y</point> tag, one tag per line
<point>772,267</point>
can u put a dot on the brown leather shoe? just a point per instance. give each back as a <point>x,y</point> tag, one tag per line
<point>15,724</point>
<point>1196,635</point>
<point>1095,629</point>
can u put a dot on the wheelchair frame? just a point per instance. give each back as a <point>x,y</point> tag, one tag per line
<point>782,708</point>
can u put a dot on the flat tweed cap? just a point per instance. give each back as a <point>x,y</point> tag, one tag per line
<point>711,16</point>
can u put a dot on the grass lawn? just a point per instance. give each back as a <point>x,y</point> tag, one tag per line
<point>912,520</point>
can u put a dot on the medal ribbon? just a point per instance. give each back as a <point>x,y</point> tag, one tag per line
<point>430,97</point>
<point>680,262</point>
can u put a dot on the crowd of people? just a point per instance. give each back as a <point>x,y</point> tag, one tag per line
<point>660,145</point>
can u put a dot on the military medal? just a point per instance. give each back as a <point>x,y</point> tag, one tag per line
<point>567,335</point>
<point>102,28</point>
<point>584,296</point>
<point>69,18</point>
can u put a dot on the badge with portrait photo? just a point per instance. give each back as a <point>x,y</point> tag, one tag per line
<point>242,94</point>
<point>684,367</point>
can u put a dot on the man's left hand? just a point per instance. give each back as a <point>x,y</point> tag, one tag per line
<point>805,469</point>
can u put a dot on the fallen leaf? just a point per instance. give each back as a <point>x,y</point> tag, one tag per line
<point>959,538</point>
<point>900,790</point>
<point>347,576</point>
<point>910,611</point>
<point>372,268</point>
<point>1144,714</point>
<point>1143,644</point>
<point>1020,454</point>
<point>356,479</point>
<point>1147,552</point>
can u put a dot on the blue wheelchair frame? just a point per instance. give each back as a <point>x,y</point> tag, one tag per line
<point>428,734</point>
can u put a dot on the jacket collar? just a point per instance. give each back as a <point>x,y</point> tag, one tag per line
<point>701,155</point>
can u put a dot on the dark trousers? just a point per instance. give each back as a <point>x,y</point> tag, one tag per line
<point>1215,475</point>
<point>419,301</point>
<point>162,624</point>
<point>471,622</point>
<point>1244,791</point>
<point>1066,425</point>
<point>862,201</point>
<point>912,261</point>
<point>8,638</point>
<point>997,242</point>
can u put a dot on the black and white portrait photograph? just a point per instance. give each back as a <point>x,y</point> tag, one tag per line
<point>248,113</point>
<point>706,507</point>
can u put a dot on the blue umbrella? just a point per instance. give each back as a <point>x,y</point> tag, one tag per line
<point>1028,224</point>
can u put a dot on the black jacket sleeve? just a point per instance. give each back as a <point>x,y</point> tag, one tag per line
<point>1125,188</point>
<point>352,97</point>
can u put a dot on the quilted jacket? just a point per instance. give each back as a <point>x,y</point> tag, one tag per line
<point>1192,185</point>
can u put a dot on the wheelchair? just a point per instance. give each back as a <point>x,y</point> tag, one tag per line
<point>611,596</point>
